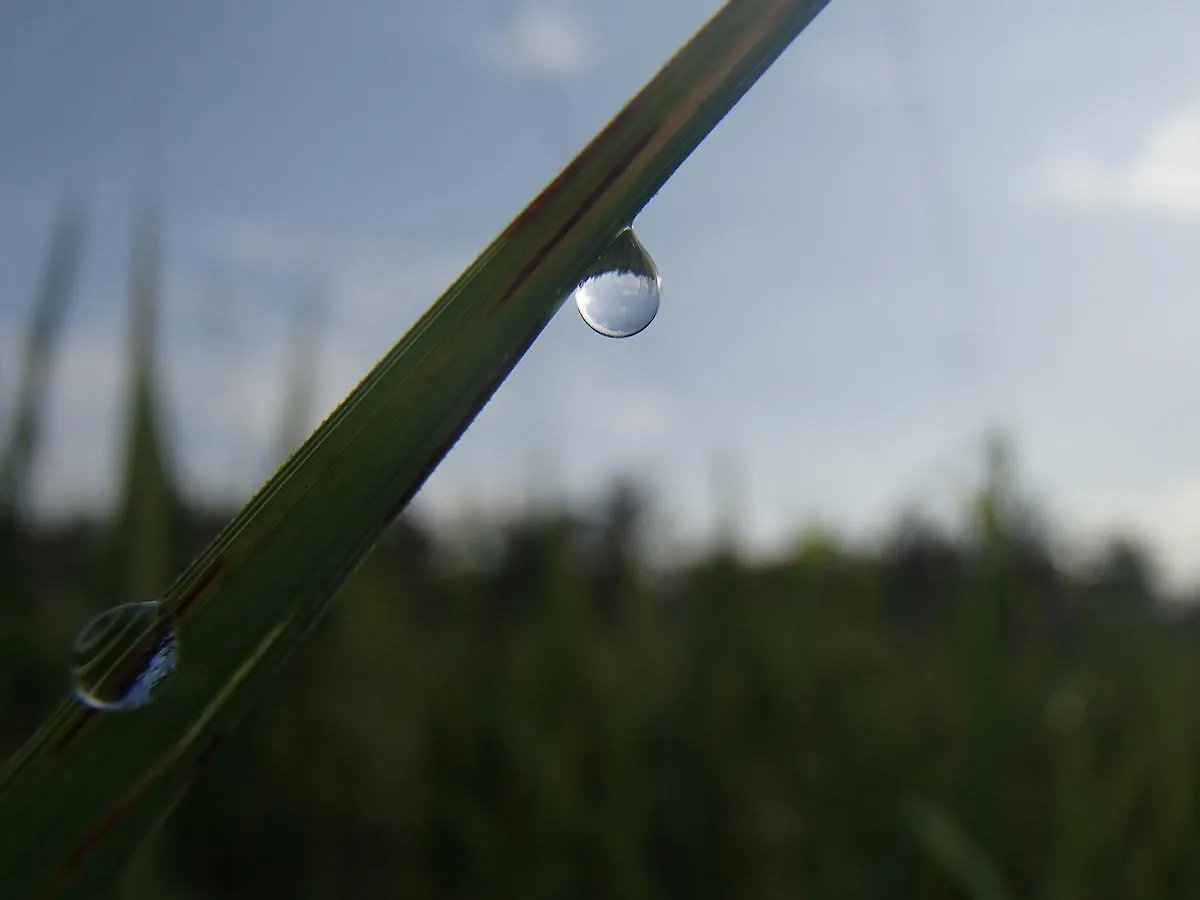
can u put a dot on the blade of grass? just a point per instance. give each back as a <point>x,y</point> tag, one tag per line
<point>954,850</point>
<point>41,343</point>
<point>144,530</point>
<point>86,789</point>
<point>294,421</point>
<point>145,520</point>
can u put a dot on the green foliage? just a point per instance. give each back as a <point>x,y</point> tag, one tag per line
<point>960,856</point>
<point>25,635</point>
<point>559,720</point>
<point>145,526</point>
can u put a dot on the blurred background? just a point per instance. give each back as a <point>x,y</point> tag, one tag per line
<point>868,570</point>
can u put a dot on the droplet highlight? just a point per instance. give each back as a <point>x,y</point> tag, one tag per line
<point>122,658</point>
<point>621,293</point>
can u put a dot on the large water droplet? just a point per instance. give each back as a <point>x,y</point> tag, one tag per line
<point>121,658</point>
<point>620,294</point>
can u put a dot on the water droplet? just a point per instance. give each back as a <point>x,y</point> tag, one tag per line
<point>620,294</point>
<point>121,658</point>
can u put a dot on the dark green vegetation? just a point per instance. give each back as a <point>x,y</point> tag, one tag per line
<point>554,718</point>
<point>86,790</point>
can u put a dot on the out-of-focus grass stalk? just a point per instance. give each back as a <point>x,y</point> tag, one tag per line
<point>954,851</point>
<point>41,343</point>
<point>144,529</point>
<point>300,383</point>
<point>144,526</point>
<point>87,788</point>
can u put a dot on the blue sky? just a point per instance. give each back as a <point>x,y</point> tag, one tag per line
<point>930,216</point>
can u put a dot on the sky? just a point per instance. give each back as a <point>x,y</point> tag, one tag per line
<point>929,219</point>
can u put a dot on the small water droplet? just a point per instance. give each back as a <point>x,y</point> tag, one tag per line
<point>621,292</point>
<point>121,658</point>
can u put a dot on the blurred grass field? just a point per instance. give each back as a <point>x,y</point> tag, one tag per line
<point>561,714</point>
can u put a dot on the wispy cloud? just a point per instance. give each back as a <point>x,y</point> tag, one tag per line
<point>539,38</point>
<point>1161,176</point>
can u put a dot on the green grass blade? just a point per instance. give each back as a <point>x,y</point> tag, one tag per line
<point>144,530</point>
<point>45,330</point>
<point>144,527</point>
<point>955,851</point>
<point>86,789</point>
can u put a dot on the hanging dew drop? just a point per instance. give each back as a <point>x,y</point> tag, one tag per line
<point>121,659</point>
<point>620,294</point>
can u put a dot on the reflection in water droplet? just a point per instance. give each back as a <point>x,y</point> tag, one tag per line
<point>121,658</point>
<point>620,294</point>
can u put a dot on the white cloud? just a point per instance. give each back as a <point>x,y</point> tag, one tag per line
<point>1162,176</point>
<point>540,38</point>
